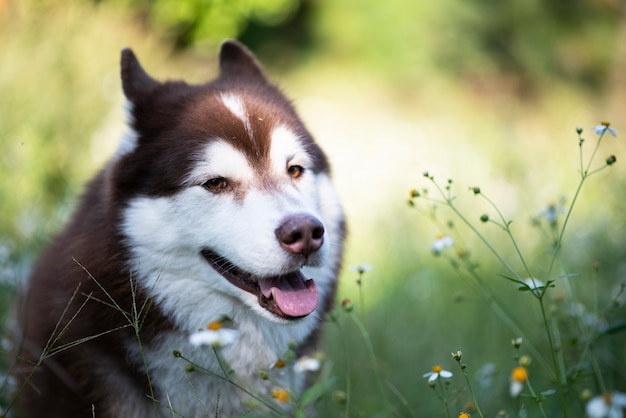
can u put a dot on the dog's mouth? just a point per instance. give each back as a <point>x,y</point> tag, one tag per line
<point>289,296</point>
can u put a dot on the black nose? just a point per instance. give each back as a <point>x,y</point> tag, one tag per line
<point>300,234</point>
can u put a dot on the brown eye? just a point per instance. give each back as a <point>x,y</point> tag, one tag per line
<point>216,184</point>
<point>295,171</point>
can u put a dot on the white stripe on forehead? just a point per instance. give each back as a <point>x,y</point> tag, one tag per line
<point>220,159</point>
<point>286,147</point>
<point>235,104</point>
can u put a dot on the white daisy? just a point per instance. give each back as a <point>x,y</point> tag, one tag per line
<point>441,243</point>
<point>214,335</point>
<point>609,405</point>
<point>436,372</point>
<point>519,375</point>
<point>306,364</point>
<point>603,127</point>
<point>535,285</point>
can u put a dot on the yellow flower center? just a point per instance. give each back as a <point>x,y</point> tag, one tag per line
<point>519,374</point>
<point>605,123</point>
<point>464,415</point>
<point>214,326</point>
<point>607,398</point>
<point>440,236</point>
<point>280,363</point>
<point>280,394</point>
<point>437,369</point>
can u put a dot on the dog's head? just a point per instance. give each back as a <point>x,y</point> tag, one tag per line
<point>225,196</point>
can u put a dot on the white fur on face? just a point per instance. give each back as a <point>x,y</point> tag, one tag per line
<point>167,234</point>
<point>236,106</point>
<point>286,149</point>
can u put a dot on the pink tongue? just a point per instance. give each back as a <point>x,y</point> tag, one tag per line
<point>293,293</point>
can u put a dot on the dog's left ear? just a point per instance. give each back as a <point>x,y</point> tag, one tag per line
<point>236,61</point>
<point>136,83</point>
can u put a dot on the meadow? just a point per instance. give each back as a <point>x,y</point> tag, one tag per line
<point>485,201</point>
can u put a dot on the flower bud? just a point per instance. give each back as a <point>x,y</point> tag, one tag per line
<point>484,218</point>
<point>347,305</point>
<point>611,160</point>
<point>516,342</point>
<point>340,397</point>
<point>585,395</point>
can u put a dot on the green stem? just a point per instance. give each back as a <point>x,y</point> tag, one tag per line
<point>554,358</point>
<point>372,355</point>
<point>348,368</point>
<point>227,378</point>
<point>469,385</point>
<point>444,396</point>
<point>507,229</point>
<point>537,399</point>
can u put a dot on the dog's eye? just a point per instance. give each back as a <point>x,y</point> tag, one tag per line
<point>295,171</point>
<point>216,184</point>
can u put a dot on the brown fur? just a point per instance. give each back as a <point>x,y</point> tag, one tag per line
<point>67,306</point>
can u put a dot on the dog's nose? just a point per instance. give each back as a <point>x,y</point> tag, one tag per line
<point>300,234</point>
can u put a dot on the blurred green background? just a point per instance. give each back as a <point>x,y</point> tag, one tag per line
<point>485,92</point>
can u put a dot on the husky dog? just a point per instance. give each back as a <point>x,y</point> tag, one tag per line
<point>217,208</point>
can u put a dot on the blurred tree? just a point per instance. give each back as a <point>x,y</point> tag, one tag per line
<point>193,22</point>
<point>571,40</point>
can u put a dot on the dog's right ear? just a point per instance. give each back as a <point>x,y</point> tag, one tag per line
<point>136,83</point>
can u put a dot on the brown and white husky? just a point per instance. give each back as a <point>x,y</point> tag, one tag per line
<point>217,208</point>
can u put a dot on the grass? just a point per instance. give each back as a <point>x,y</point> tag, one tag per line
<point>413,309</point>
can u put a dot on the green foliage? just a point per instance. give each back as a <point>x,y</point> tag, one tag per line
<point>193,22</point>
<point>59,81</point>
<point>524,43</point>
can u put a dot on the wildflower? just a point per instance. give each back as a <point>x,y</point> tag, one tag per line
<point>306,364</point>
<point>279,364</point>
<point>603,127</point>
<point>535,285</point>
<point>214,335</point>
<point>551,213</point>
<point>436,372</point>
<point>516,342</point>
<point>442,242</point>
<point>280,394</point>
<point>361,268</point>
<point>519,375</point>
<point>457,356</point>
<point>485,375</point>
<point>609,405</point>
